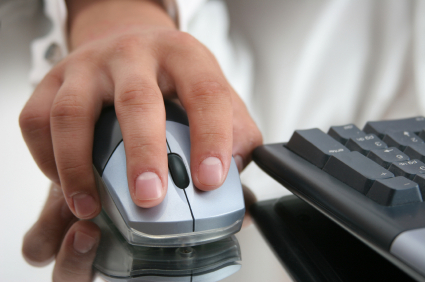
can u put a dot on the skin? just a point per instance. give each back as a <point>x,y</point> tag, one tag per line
<point>128,53</point>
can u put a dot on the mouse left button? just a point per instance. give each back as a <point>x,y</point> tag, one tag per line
<point>107,137</point>
<point>141,226</point>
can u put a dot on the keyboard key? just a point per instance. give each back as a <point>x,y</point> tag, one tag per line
<point>315,146</point>
<point>402,139</point>
<point>365,144</point>
<point>416,151</point>
<point>345,132</point>
<point>381,128</point>
<point>385,157</point>
<point>407,169</point>
<point>356,170</point>
<point>422,134</point>
<point>395,191</point>
<point>420,179</point>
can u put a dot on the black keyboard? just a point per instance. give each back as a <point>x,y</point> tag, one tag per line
<point>371,182</point>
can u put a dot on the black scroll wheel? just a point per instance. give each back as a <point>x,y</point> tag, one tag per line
<point>178,171</point>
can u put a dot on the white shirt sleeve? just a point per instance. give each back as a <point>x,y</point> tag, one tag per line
<point>50,49</point>
<point>186,9</point>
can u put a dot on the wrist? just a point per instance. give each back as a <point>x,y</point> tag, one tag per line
<point>89,20</point>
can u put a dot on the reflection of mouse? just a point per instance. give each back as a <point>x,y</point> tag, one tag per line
<point>187,216</point>
<point>117,261</point>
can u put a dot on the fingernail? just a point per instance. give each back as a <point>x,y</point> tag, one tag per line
<point>210,171</point>
<point>148,186</point>
<point>83,242</point>
<point>239,162</point>
<point>84,205</point>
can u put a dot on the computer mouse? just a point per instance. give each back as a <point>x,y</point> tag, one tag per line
<point>187,216</point>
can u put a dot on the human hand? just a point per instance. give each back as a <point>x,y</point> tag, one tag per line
<point>59,235</point>
<point>130,54</point>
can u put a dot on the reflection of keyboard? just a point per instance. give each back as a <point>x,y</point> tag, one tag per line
<point>371,182</point>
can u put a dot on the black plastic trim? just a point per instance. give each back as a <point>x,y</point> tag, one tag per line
<point>107,137</point>
<point>190,208</point>
<point>372,223</point>
<point>315,249</point>
<point>175,113</point>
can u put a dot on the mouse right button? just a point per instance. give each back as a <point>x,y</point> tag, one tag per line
<point>219,208</point>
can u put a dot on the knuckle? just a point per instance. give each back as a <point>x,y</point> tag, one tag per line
<point>215,136</point>
<point>47,165</point>
<point>73,169</point>
<point>127,45</point>
<point>210,90</point>
<point>139,95</point>
<point>180,45</point>
<point>75,175</point>
<point>84,57</point>
<point>79,58</point>
<point>183,39</point>
<point>139,146</point>
<point>207,95</point>
<point>67,107</point>
<point>129,40</point>
<point>32,120</point>
<point>183,45</point>
<point>147,151</point>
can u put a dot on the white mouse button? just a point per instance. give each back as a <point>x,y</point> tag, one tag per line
<point>211,209</point>
<point>178,139</point>
<point>172,216</point>
<point>218,208</point>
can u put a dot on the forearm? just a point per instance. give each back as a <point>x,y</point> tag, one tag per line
<point>92,19</point>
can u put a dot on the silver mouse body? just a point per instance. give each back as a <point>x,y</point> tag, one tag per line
<point>187,216</point>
